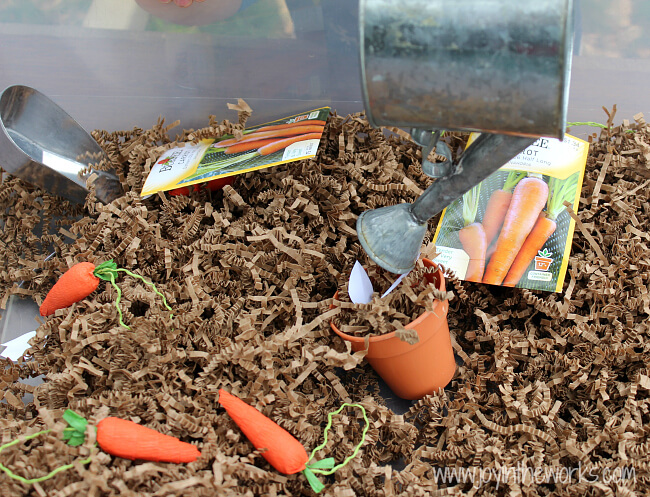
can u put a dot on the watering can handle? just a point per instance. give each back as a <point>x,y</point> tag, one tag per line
<point>483,157</point>
<point>430,140</point>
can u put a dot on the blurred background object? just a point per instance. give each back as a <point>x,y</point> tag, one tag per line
<point>114,65</point>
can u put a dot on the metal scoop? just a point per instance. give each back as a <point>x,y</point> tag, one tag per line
<point>493,66</point>
<point>41,144</point>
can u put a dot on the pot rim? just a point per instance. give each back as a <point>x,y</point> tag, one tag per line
<point>411,325</point>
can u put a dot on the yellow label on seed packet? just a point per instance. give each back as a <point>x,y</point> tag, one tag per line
<point>174,166</point>
<point>551,157</point>
<point>541,261</point>
<point>286,140</point>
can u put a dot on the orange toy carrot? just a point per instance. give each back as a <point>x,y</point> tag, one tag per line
<point>118,437</point>
<point>75,284</point>
<point>497,206</point>
<point>81,280</point>
<point>278,133</point>
<point>559,192</point>
<point>281,449</point>
<point>528,200</point>
<point>129,440</point>
<point>280,144</point>
<point>472,236</point>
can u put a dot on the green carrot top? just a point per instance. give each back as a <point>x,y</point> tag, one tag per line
<point>470,204</point>
<point>108,271</point>
<point>512,179</point>
<point>560,191</point>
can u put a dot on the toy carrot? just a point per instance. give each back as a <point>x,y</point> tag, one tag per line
<point>559,192</point>
<point>528,200</point>
<point>76,284</point>
<point>81,280</point>
<point>118,437</point>
<point>472,236</point>
<point>129,440</point>
<point>497,206</point>
<point>281,449</point>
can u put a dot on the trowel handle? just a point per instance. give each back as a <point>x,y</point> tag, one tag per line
<point>483,157</point>
<point>430,140</point>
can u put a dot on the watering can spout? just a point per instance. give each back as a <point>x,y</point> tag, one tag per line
<point>392,236</point>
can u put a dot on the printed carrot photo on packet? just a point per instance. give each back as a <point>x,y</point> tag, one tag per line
<point>513,229</point>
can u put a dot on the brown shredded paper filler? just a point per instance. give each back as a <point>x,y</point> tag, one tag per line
<point>556,383</point>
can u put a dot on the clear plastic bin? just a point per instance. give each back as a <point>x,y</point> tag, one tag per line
<point>112,65</point>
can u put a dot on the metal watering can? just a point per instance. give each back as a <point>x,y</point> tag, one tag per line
<point>499,67</point>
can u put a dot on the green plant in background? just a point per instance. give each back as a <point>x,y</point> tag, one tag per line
<point>263,19</point>
<point>593,125</point>
<point>51,12</point>
<point>260,20</point>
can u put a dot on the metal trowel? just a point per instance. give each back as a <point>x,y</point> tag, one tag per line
<point>41,144</point>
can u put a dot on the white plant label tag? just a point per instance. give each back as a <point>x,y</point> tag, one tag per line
<point>359,287</point>
<point>16,348</point>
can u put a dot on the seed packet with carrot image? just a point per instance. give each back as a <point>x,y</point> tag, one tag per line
<point>522,209</point>
<point>286,140</point>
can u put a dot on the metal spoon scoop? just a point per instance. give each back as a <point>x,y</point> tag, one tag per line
<point>41,144</point>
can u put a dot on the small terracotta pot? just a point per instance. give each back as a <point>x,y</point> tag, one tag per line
<point>413,371</point>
